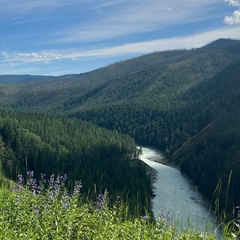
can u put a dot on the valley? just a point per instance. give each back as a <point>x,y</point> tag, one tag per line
<point>182,102</point>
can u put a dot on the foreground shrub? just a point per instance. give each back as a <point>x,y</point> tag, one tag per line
<point>47,211</point>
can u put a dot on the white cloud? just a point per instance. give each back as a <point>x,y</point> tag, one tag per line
<point>235,3</point>
<point>31,62</point>
<point>133,17</point>
<point>130,49</point>
<point>234,19</point>
<point>4,54</point>
<point>107,19</point>
<point>190,41</point>
<point>39,57</point>
<point>25,6</point>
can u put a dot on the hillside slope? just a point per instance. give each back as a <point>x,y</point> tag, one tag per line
<point>166,99</point>
<point>161,75</point>
<point>58,145</point>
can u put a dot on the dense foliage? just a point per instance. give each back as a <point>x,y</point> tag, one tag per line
<point>48,211</point>
<point>58,145</point>
<point>184,102</point>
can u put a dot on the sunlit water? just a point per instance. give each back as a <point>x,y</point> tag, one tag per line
<point>176,197</point>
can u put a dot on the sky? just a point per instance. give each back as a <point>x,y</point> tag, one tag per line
<point>57,37</point>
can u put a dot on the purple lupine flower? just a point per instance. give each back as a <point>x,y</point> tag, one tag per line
<point>101,201</point>
<point>20,178</point>
<point>31,182</point>
<point>165,216</point>
<point>66,200</point>
<point>56,186</point>
<point>20,181</point>
<point>63,179</point>
<point>77,188</point>
<point>30,174</point>
<point>51,182</point>
<point>66,205</point>
<point>42,182</point>
<point>53,186</point>
<point>59,184</point>
<point>35,210</point>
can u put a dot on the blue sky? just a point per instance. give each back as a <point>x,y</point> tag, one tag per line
<point>56,37</point>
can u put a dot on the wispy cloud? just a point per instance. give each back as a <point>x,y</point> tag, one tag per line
<point>57,32</point>
<point>38,57</point>
<point>30,63</point>
<point>186,42</point>
<point>109,19</point>
<point>16,58</point>
<point>235,3</point>
<point>25,6</point>
<point>140,16</point>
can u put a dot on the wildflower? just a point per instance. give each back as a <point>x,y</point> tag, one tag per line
<point>51,182</point>
<point>35,210</point>
<point>19,181</point>
<point>53,187</point>
<point>63,178</point>
<point>77,188</point>
<point>31,182</point>
<point>56,187</point>
<point>101,200</point>
<point>66,200</point>
<point>30,174</point>
<point>165,216</point>
<point>42,182</point>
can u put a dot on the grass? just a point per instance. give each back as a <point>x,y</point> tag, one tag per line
<point>47,211</point>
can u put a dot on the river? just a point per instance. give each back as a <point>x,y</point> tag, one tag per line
<point>176,197</point>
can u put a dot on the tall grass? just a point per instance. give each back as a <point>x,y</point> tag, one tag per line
<point>229,222</point>
<point>48,211</point>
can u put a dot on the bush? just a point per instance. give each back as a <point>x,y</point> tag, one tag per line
<point>47,211</point>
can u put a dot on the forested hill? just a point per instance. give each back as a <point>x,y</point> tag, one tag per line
<point>159,77</point>
<point>184,102</point>
<point>101,159</point>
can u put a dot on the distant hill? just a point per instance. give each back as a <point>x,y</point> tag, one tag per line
<point>183,102</point>
<point>28,78</point>
<point>222,42</point>
<point>22,78</point>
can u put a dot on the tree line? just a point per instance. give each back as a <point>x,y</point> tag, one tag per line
<point>100,158</point>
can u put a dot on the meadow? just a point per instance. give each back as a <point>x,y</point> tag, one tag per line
<point>47,210</point>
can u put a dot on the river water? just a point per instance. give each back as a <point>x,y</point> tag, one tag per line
<point>176,198</point>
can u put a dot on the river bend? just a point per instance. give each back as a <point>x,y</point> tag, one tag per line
<point>176,196</point>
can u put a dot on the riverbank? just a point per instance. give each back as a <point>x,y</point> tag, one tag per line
<point>161,158</point>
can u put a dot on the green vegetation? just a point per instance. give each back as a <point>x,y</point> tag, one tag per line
<point>183,102</point>
<point>48,211</point>
<point>59,145</point>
